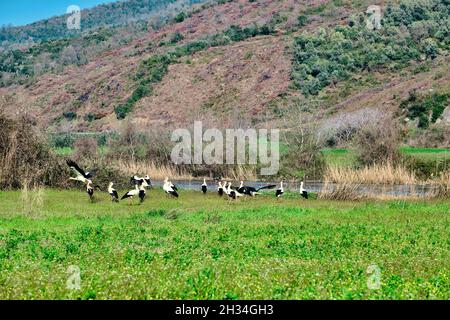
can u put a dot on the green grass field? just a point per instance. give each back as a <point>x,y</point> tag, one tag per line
<point>347,157</point>
<point>202,247</point>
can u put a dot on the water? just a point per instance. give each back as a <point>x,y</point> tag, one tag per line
<point>417,190</point>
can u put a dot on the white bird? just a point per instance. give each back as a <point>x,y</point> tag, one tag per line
<point>233,194</point>
<point>220,189</point>
<point>147,183</point>
<point>280,190</point>
<point>138,191</point>
<point>81,176</point>
<point>303,192</point>
<point>90,190</point>
<point>250,191</point>
<point>113,193</point>
<point>170,189</point>
<point>204,186</point>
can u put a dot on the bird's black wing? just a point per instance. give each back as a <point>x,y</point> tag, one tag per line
<point>90,174</point>
<point>72,164</point>
<point>272,186</point>
<point>174,187</point>
<point>127,195</point>
<point>115,194</point>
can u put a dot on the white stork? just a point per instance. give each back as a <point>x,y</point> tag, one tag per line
<point>81,176</point>
<point>113,193</point>
<point>145,181</point>
<point>204,186</point>
<point>280,191</point>
<point>90,190</point>
<point>170,189</point>
<point>138,191</point>
<point>250,191</point>
<point>220,189</point>
<point>303,192</point>
<point>233,194</point>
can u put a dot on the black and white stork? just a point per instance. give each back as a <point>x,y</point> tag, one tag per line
<point>113,193</point>
<point>138,191</point>
<point>280,191</point>
<point>90,190</point>
<point>303,192</point>
<point>147,183</point>
<point>250,191</point>
<point>220,189</point>
<point>170,189</point>
<point>81,176</point>
<point>232,193</point>
<point>204,186</point>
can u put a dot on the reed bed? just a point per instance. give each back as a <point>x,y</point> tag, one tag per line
<point>345,191</point>
<point>442,186</point>
<point>386,174</point>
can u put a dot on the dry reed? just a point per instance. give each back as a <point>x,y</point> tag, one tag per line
<point>386,174</point>
<point>31,199</point>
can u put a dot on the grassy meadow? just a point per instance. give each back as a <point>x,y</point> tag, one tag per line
<point>203,247</point>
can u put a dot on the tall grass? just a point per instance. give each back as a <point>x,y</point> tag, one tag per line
<point>345,191</point>
<point>388,174</point>
<point>442,186</point>
<point>31,199</point>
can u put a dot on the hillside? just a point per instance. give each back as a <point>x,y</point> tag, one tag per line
<point>250,63</point>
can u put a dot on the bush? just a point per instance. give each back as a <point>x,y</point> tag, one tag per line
<point>378,143</point>
<point>86,148</point>
<point>25,158</point>
<point>329,56</point>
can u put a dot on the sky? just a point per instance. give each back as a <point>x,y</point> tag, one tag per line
<point>22,12</point>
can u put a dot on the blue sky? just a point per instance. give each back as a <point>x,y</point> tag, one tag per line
<point>21,12</point>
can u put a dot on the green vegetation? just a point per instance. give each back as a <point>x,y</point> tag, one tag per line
<point>427,108</point>
<point>411,31</point>
<point>347,157</point>
<point>201,247</point>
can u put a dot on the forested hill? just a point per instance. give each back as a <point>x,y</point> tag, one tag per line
<point>112,14</point>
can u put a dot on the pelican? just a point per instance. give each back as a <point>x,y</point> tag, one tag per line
<point>204,186</point>
<point>113,193</point>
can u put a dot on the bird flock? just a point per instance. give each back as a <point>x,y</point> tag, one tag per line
<point>141,184</point>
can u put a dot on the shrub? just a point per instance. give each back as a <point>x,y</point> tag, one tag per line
<point>86,148</point>
<point>25,157</point>
<point>378,143</point>
<point>329,56</point>
<point>425,107</point>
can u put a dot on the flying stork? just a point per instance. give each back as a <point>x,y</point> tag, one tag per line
<point>81,176</point>
<point>138,191</point>
<point>204,186</point>
<point>113,193</point>
<point>170,189</point>
<point>303,192</point>
<point>280,191</point>
<point>250,191</point>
